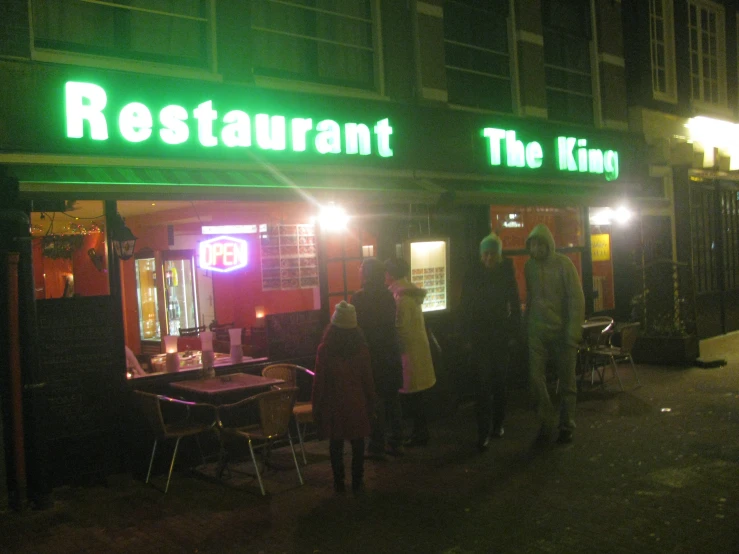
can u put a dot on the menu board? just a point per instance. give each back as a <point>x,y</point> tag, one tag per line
<point>428,261</point>
<point>289,257</point>
<point>294,334</point>
<point>83,374</point>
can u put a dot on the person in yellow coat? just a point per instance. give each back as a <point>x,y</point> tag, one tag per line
<point>418,367</point>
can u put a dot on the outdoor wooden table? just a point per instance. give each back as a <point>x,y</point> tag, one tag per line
<point>226,387</point>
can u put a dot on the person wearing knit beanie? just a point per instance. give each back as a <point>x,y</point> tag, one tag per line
<point>490,313</point>
<point>344,395</point>
<point>345,316</point>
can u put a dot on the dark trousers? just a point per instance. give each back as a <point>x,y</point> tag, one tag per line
<point>336,451</point>
<point>491,364</point>
<point>389,419</point>
<point>416,402</point>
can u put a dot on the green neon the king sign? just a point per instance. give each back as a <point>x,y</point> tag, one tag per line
<point>86,106</point>
<point>572,154</point>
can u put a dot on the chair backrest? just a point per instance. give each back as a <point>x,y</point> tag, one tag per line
<point>275,410</point>
<point>191,331</point>
<point>152,409</point>
<point>286,372</point>
<point>629,334</point>
<point>597,329</point>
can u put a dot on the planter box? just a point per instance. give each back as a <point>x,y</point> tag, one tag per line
<point>666,350</point>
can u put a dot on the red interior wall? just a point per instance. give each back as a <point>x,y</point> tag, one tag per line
<point>235,294</point>
<point>49,273</point>
<point>88,280</point>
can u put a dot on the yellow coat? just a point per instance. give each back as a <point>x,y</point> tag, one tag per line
<point>418,368</point>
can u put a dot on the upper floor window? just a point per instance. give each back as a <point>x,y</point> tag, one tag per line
<point>662,44</point>
<point>323,41</point>
<point>476,50</point>
<point>707,52</point>
<point>166,31</point>
<point>567,60</point>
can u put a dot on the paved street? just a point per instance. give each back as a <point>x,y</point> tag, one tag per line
<point>652,469</point>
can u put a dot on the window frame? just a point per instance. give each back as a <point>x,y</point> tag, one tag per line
<point>720,56</point>
<point>316,86</point>
<point>594,70</point>
<point>668,43</point>
<point>511,54</point>
<point>67,57</point>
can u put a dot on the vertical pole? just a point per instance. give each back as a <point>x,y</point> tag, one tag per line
<point>323,273</point>
<point>718,232</point>
<point>16,386</point>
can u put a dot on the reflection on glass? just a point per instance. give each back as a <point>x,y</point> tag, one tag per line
<point>180,295</point>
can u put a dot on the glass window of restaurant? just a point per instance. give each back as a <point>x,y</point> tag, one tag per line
<point>198,265</point>
<point>514,224</point>
<point>69,251</point>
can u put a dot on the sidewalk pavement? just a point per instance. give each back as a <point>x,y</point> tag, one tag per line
<point>652,469</point>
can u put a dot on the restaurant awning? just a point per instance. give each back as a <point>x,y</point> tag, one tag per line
<point>266,183</point>
<point>124,180</point>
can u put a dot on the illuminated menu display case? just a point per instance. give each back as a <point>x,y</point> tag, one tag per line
<point>429,261</point>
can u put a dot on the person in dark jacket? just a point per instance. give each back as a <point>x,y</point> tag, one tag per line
<point>375,307</point>
<point>490,319</point>
<point>344,393</point>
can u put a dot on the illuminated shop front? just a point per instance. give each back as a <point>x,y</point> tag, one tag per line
<point>223,192</point>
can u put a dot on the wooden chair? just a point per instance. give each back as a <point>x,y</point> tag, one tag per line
<point>184,419</point>
<point>302,411</point>
<point>275,409</point>
<point>604,355</point>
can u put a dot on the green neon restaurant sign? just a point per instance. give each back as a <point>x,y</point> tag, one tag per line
<point>88,116</point>
<point>571,153</point>
<point>225,126</point>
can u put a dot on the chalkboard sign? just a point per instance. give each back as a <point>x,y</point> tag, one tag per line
<point>82,368</point>
<point>294,334</point>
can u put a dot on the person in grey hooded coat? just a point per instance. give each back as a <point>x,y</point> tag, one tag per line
<point>555,307</point>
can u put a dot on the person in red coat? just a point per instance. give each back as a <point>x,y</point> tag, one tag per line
<point>344,393</point>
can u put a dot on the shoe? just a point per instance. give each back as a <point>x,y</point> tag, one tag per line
<point>565,436</point>
<point>543,437</point>
<point>497,432</point>
<point>482,444</point>
<point>396,450</point>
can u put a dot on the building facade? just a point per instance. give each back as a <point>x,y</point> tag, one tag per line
<point>423,119</point>
<point>681,63</point>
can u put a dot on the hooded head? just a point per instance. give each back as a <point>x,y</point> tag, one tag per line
<point>345,316</point>
<point>491,250</point>
<point>542,236</point>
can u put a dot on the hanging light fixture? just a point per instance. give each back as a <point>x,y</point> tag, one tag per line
<point>121,237</point>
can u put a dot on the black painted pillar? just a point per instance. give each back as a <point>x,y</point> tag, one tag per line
<point>587,265</point>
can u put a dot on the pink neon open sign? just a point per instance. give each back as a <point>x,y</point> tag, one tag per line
<point>222,254</point>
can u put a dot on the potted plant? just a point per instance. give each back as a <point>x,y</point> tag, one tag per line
<point>666,310</point>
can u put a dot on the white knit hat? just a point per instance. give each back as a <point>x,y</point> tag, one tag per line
<point>345,316</point>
